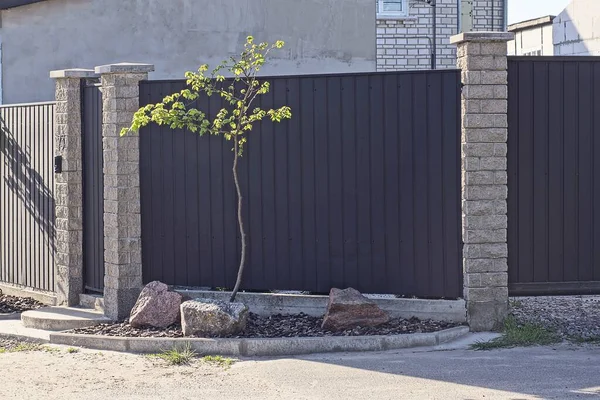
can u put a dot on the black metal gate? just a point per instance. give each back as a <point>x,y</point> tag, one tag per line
<point>27,220</point>
<point>554,175</point>
<point>360,188</point>
<point>93,189</point>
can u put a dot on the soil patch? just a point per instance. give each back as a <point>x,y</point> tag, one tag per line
<point>277,326</point>
<point>12,304</point>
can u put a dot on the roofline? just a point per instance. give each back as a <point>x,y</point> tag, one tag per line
<point>531,23</point>
<point>6,4</point>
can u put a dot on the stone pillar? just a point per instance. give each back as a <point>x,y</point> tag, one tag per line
<point>69,185</point>
<point>122,219</point>
<point>482,59</point>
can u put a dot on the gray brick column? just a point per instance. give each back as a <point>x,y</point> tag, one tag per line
<point>68,186</point>
<point>482,59</point>
<point>122,219</point>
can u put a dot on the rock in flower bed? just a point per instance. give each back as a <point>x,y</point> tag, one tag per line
<point>276,326</point>
<point>12,304</point>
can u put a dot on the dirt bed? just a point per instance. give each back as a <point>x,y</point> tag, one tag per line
<point>12,304</point>
<point>300,325</point>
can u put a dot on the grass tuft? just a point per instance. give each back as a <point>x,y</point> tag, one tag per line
<point>21,347</point>
<point>24,346</point>
<point>178,356</point>
<point>219,360</point>
<point>72,350</point>
<point>519,335</point>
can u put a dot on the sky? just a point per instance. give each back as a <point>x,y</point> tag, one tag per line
<point>520,10</point>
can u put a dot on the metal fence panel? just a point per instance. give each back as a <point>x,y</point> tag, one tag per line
<point>360,188</point>
<point>553,175</point>
<point>27,230</point>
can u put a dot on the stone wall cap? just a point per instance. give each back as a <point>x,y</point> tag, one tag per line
<point>75,73</point>
<point>124,68</point>
<point>482,37</point>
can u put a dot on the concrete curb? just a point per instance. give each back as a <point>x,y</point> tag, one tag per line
<point>262,347</point>
<point>267,304</point>
<point>11,316</point>
<point>43,297</point>
<point>23,338</point>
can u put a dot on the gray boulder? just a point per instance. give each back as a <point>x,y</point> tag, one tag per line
<point>349,309</point>
<point>155,306</point>
<point>213,318</point>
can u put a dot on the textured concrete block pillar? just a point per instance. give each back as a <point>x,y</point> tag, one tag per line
<point>122,219</point>
<point>69,185</point>
<point>482,60</point>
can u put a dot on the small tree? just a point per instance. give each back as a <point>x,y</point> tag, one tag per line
<point>233,122</point>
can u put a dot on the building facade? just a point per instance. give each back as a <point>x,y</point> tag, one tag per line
<point>38,36</point>
<point>573,32</point>
<point>178,36</point>
<point>577,29</point>
<point>405,30</point>
<point>532,37</point>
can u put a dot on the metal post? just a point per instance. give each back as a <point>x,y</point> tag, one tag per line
<point>434,47</point>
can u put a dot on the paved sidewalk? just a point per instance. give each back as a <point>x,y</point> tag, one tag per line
<point>560,372</point>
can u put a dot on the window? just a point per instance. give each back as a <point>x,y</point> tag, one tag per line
<point>392,8</point>
<point>533,53</point>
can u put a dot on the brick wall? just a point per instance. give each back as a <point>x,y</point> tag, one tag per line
<point>404,43</point>
<point>488,15</point>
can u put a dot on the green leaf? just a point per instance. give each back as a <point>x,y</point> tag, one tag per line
<point>235,121</point>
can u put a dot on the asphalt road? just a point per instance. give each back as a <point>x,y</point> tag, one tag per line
<point>561,372</point>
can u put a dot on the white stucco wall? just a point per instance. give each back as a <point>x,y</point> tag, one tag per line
<point>529,40</point>
<point>577,29</point>
<point>178,35</point>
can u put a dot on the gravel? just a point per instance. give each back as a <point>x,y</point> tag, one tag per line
<point>12,304</point>
<point>300,325</point>
<point>570,316</point>
<point>8,344</point>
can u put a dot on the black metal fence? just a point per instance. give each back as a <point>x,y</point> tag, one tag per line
<point>554,175</point>
<point>27,230</point>
<point>360,188</point>
<point>93,189</point>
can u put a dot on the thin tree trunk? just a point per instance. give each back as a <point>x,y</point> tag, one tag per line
<point>238,281</point>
